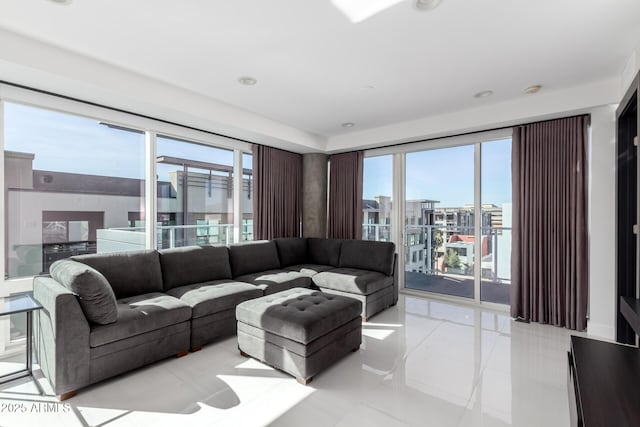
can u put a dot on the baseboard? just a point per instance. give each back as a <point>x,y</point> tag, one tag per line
<point>601,330</point>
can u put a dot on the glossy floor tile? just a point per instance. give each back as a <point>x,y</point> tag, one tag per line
<point>422,363</point>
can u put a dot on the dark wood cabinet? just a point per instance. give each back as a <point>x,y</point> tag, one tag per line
<point>627,212</point>
<point>604,384</point>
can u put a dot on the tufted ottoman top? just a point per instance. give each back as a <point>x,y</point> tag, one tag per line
<point>299,314</point>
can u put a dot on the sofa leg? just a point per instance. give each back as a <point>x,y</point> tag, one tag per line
<point>356,349</point>
<point>67,395</point>
<point>196,348</point>
<point>242,353</point>
<point>181,354</point>
<point>304,381</point>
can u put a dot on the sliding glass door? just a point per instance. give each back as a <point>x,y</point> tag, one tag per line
<point>439,221</point>
<point>453,214</point>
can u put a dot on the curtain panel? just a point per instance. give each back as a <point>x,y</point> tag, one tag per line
<point>345,195</point>
<point>549,261</point>
<point>277,201</point>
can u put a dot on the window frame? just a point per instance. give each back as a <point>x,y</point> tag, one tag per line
<point>399,152</point>
<point>149,127</point>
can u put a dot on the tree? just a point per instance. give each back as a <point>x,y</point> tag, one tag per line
<point>438,238</point>
<point>451,259</point>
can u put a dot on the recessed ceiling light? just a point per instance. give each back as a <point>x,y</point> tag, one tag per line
<point>348,125</point>
<point>247,80</point>
<point>61,2</point>
<point>483,94</point>
<point>368,87</point>
<point>533,89</point>
<point>427,4</point>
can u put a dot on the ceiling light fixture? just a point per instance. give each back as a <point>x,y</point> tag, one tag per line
<point>483,94</point>
<point>61,2</point>
<point>427,4</point>
<point>348,125</point>
<point>247,80</point>
<point>533,89</point>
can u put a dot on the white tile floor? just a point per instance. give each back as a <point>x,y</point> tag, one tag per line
<point>422,363</point>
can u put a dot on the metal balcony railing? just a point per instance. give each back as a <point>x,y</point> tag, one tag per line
<point>428,249</point>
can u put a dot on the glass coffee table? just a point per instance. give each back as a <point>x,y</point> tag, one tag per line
<point>14,304</point>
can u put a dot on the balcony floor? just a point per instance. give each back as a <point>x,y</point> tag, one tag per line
<point>458,286</point>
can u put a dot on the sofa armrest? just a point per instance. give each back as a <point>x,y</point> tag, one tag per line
<point>61,336</point>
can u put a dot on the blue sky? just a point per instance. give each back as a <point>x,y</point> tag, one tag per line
<point>68,143</point>
<point>446,175</point>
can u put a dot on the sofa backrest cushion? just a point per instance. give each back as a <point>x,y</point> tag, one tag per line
<point>129,273</point>
<point>194,264</point>
<point>323,251</point>
<point>247,258</point>
<point>368,255</point>
<point>291,251</point>
<point>93,290</point>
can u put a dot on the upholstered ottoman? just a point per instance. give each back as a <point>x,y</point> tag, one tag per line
<point>299,331</point>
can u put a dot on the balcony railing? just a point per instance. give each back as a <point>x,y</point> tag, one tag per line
<point>450,249</point>
<point>172,236</point>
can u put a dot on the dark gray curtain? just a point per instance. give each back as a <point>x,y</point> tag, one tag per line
<point>277,201</point>
<point>549,260</point>
<point>345,195</point>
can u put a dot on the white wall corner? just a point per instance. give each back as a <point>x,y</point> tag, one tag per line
<point>600,330</point>
<point>602,234</point>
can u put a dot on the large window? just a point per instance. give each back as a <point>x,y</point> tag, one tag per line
<point>70,184</point>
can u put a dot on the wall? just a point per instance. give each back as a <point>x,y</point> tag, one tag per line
<point>602,214</point>
<point>314,195</point>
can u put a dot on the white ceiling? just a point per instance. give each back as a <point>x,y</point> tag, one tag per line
<point>316,68</point>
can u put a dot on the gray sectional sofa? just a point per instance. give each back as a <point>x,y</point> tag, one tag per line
<point>106,314</point>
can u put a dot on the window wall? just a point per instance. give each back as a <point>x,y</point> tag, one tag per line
<point>455,201</point>
<point>75,180</point>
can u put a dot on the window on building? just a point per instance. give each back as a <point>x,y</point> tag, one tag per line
<point>69,188</point>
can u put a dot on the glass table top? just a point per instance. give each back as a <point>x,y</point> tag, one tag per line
<point>18,303</point>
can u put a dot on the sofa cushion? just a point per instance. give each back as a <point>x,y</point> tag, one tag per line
<point>140,314</point>
<point>302,315</point>
<point>368,255</point>
<point>323,251</point>
<point>213,297</point>
<point>309,269</point>
<point>128,273</point>
<point>291,251</point>
<point>194,264</point>
<point>93,290</point>
<point>272,281</point>
<point>247,258</point>
<point>352,280</point>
